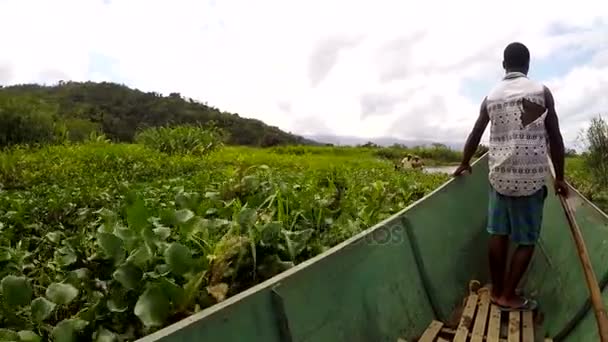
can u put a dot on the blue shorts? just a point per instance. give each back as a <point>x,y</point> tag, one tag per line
<point>519,217</point>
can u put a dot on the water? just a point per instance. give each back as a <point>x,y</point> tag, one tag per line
<point>441,169</point>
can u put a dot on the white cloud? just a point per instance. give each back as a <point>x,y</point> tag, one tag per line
<point>366,68</point>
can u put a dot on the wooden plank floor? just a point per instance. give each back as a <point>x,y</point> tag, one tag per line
<point>482,321</point>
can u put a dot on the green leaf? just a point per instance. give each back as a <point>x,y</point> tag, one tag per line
<point>118,300</point>
<point>183,216</point>
<point>61,294</point>
<point>65,256</point>
<point>162,270</point>
<point>152,307</point>
<point>117,304</point>
<point>128,275</point>
<point>79,274</point>
<point>270,233</point>
<point>68,329</point>
<point>8,335</point>
<point>54,237</point>
<point>140,256</point>
<point>192,288</point>
<point>187,201</point>
<point>124,234</point>
<point>109,220</point>
<point>105,335</point>
<point>5,255</point>
<point>214,196</point>
<point>16,291</point>
<point>111,245</point>
<point>179,258</point>
<point>41,309</point>
<point>247,217</point>
<point>29,336</point>
<point>137,215</point>
<point>172,291</point>
<point>296,241</point>
<point>162,232</point>
<point>197,225</point>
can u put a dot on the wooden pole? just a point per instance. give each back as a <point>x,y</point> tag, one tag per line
<point>592,284</point>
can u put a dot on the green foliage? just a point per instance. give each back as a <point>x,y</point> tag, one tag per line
<point>119,113</point>
<point>26,120</point>
<point>81,129</point>
<point>111,242</point>
<point>588,172</point>
<point>597,156</point>
<point>185,139</point>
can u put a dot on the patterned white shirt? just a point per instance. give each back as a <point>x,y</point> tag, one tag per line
<point>518,154</point>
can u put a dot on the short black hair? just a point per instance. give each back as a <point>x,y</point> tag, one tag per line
<point>516,55</point>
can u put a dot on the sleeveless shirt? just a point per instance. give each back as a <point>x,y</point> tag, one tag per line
<point>518,160</point>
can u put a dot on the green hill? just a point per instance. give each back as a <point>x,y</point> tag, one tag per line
<point>33,113</point>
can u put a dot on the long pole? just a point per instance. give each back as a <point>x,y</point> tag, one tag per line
<point>592,284</point>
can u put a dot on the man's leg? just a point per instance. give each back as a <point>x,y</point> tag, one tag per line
<point>526,219</point>
<point>498,246</point>
<point>519,263</point>
<point>498,253</point>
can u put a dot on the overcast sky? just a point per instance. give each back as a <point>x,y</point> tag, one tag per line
<point>414,70</point>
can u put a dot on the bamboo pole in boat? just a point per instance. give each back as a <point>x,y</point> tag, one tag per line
<point>592,284</point>
<point>590,278</point>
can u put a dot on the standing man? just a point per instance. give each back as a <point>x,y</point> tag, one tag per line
<point>524,129</point>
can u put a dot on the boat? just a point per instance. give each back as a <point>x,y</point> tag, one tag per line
<point>412,273</point>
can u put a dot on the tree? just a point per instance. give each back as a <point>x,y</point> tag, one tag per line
<point>597,157</point>
<point>119,112</point>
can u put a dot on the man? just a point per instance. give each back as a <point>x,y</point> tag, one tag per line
<point>406,162</point>
<point>523,120</point>
<point>417,163</point>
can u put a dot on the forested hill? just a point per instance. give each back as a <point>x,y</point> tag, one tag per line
<point>118,111</point>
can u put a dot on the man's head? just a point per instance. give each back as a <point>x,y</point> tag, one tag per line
<point>516,57</point>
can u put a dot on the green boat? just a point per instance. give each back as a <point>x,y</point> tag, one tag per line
<point>411,274</point>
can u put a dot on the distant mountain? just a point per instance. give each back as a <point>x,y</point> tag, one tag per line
<point>119,111</point>
<point>382,141</point>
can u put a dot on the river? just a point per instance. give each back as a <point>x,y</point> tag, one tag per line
<point>441,169</point>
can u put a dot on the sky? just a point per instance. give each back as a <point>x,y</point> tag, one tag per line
<point>404,69</point>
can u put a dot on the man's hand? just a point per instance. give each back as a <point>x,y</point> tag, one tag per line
<point>462,168</point>
<point>561,188</point>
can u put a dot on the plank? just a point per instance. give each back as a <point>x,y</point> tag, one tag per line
<point>466,319</point>
<point>494,324</point>
<point>461,334</point>
<point>441,339</point>
<point>514,322</point>
<point>431,331</point>
<point>527,327</point>
<point>449,331</point>
<point>469,311</point>
<point>481,319</point>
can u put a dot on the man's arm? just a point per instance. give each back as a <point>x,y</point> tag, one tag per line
<point>472,143</point>
<point>556,143</point>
